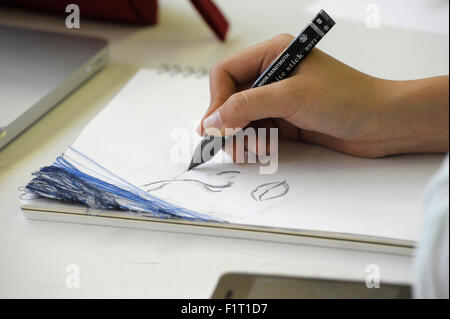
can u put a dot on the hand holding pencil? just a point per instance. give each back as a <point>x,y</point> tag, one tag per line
<point>329,103</point>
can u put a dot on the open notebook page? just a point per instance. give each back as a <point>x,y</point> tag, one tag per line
<point>146,136</point>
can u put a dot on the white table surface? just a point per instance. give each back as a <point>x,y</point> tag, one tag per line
<point>128,263</point>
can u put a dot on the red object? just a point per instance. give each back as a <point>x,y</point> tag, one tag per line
<point>213,17</point>
<point>127,11</point>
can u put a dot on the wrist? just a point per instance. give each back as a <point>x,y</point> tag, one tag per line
<point>414,116</point>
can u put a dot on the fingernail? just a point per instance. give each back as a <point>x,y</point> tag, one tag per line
<point>213,124</point>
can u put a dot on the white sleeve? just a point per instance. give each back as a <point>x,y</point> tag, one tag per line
<point>431,265</point>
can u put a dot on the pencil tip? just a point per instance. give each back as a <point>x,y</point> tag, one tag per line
<point>192,165</point>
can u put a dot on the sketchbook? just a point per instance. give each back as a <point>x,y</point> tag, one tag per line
<point>128,168</point>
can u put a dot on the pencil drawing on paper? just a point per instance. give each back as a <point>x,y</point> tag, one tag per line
<point>227,182</point>
<point>269,191</point>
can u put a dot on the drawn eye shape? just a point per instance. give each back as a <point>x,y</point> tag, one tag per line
<point>270,191</point>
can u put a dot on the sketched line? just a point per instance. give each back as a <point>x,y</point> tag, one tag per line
<point>269,191</point>
<point>208,187</point>
<point>227,172</point>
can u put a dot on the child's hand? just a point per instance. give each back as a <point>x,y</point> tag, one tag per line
<point>329,103</point>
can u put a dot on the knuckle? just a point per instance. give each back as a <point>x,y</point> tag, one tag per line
<point>216,68</point>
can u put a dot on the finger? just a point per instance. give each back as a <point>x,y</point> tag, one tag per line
<point>286,130</point>
<point>246,65</point>
<point>271,101</point>
<point>260,143</point>
<point>243,67</point>
<point>236,150</point>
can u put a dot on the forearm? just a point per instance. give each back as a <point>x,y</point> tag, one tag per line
<point>417,116</point>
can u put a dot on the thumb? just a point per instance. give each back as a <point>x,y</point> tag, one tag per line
<point>270,101</point>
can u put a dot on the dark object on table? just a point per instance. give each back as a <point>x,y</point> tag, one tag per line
<point>142,12</point>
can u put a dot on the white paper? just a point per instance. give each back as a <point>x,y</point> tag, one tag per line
<point>133,137</point>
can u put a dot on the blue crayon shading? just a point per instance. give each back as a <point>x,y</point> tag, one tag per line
<point>63,181</point>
